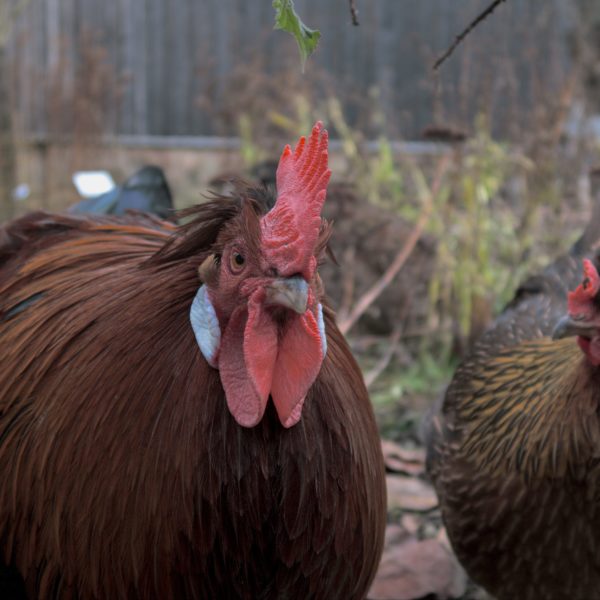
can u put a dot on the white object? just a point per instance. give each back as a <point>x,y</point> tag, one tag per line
<point>321,324</point>
<point>206,326</point>
<point>90,184</point>
<point>21,192</point>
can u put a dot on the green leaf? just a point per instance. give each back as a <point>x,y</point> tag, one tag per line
<point>287,19</point>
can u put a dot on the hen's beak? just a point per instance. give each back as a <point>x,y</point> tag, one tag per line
<point>569,327</point>
<point>289,292</point>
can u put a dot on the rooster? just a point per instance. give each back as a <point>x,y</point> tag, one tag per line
<point>514,452</point>
<point>179,415</point>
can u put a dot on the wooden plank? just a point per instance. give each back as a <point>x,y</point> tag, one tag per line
<point>178,89</point>
<point>127,50</point>
<point>39,56</point>
<point>198,52</point>
<point>52,34</point>
<point>138,61</point>
<point>199,68</point>
<point>156,53</point>
<point>111,38</point>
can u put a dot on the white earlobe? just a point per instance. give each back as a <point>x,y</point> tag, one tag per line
<point>321,324</point>
<point>206,326</point>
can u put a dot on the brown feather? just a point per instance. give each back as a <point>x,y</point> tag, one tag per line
<point>123,473</point>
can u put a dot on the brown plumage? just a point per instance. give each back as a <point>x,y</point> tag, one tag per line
<point>514,452</point>
<point>124,475</point>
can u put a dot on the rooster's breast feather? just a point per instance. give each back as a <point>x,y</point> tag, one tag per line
<point>122,468</point>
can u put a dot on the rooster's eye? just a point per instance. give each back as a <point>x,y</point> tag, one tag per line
<point>237,261</point>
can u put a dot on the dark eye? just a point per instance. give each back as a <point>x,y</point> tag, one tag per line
<point>237,261</point>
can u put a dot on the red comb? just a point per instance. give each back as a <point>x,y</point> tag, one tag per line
<point>290,230</point>
<point>579,300</point>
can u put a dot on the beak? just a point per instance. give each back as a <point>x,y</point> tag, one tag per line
<point>569,327</point>
<point>289,292</point>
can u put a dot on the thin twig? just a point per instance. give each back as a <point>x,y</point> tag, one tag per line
<point>384,361</point>
<point>377,288</point>
<point>354,13</point>
<point>348,282</point>
<point>459,38</point>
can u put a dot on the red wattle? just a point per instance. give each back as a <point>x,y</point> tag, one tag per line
<point>255,362</point>
<point>591,348</point>
<point>298,363</point>
<point>245,404</point>
<point>260,345</point>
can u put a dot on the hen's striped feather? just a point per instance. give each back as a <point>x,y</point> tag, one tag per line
<point>515,450</point>
<point>123,472</point>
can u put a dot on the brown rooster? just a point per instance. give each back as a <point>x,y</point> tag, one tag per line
<point>165,437</point>
<point>515,452</point>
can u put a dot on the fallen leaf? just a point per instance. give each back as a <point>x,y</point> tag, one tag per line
<point>413,569</point>
<point>442,538</point>
<point>395,534</point>
<point>411,523</point>
<point>410,493</point>
<point>403,460</point>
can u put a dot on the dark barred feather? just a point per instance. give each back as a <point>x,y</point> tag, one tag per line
<point>514,451</point>
<point>123,473</point>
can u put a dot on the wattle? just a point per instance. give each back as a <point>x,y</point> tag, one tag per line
<point>246,399</point>
<point>258,358</point>
<point>591,348</point>
<point>298,363</point>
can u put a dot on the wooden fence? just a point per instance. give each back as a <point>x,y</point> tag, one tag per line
<point>187,67</point>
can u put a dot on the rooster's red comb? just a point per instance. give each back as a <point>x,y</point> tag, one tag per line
<point>290,230</point>
<point>579,300</point>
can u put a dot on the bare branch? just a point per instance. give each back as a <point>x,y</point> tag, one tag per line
<point>405,251</point>
<point>348,282</point>
<point>354,13</point>
<point>459,38</point>
<point>384,361</point>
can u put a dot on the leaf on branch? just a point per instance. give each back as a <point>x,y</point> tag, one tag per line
<point>287,18</point>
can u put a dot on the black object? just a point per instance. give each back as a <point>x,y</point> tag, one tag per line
<point>146,190</point>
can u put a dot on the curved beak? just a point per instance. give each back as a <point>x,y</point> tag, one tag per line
<point>289,292</point>
<point>569,327</point>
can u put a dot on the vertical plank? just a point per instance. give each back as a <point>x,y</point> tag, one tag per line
<point>139,66</point>
<point>221,10</point>
<point>198,69</point>
<point>52,34</point>
<point>178,81</point>
<point>156,53</point>
<point>110,37</point>
<point>127,49</point>
<point>52,48</point>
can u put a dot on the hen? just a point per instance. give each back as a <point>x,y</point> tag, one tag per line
<point>514,452</point>
<point>165,437</point>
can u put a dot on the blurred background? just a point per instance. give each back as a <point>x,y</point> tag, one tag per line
<point>449,185</point>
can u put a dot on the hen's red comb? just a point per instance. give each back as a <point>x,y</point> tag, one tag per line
<point>290,230</point>
<point>579,300</point>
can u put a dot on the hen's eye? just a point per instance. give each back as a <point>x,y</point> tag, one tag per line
<point>237,261</point>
